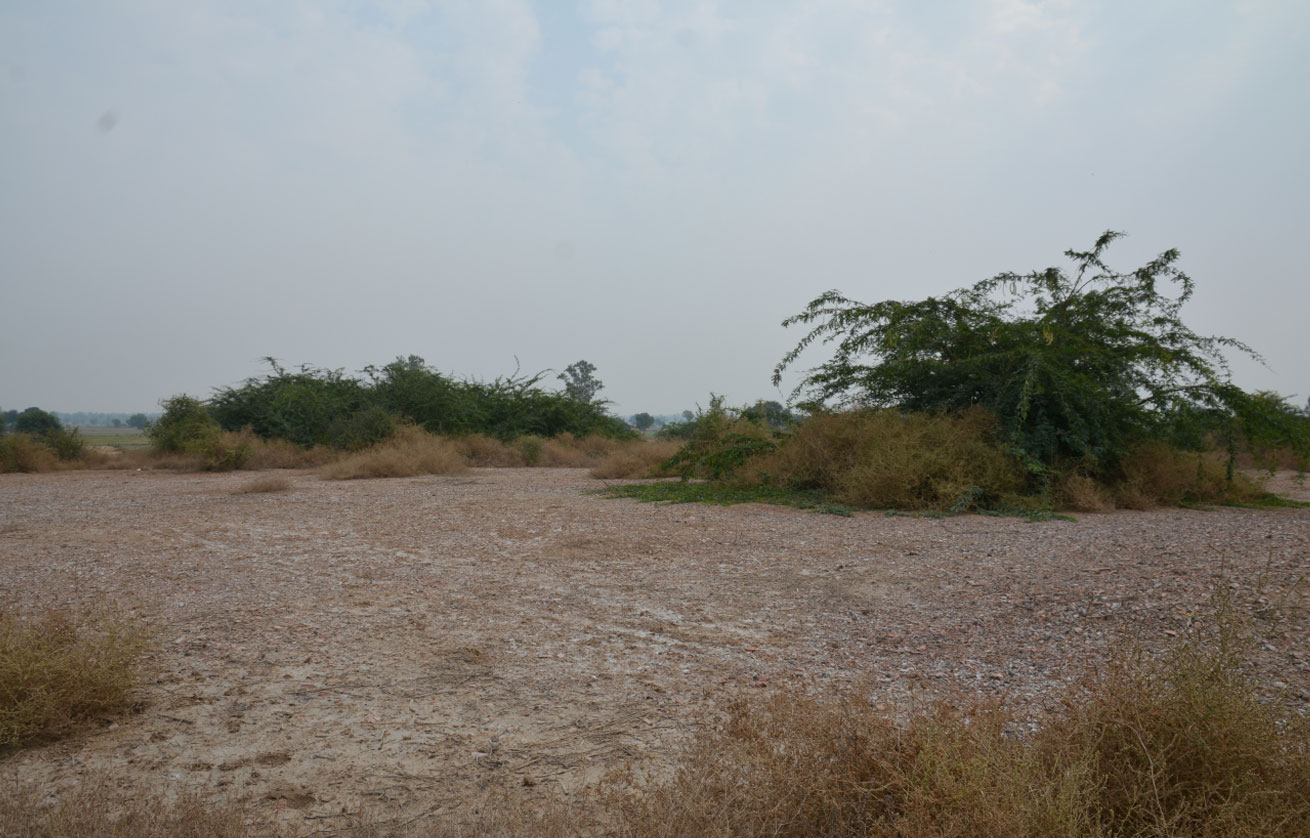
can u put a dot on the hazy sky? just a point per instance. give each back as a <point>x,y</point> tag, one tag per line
<point>651,185</point>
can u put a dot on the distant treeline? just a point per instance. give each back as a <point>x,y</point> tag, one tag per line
<point>105,420</point>
<point>311,406</point>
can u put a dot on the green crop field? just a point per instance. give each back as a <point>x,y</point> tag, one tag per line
<point>118,437</point>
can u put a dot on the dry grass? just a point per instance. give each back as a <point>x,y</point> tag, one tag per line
<point>1077,492</point>
<point>279,453</point>
<point>886,459</point>
<point>23,453</point>
<point>636,459</point>
<point>58,670</point>
<point>412,451</point>
<point>97,809</point>
<point>263,484</point>
<point>487,452</point>
<point>1153,474</point>
<point>1180,747</point>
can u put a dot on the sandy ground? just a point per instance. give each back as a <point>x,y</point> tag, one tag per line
<point>411,645</point>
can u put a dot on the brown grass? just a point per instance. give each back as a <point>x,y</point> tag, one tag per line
<point>1178,747</point>
<point>886,459</point>
<point>263,484</point>
<point>279,453</point>
<point>58,670</point>
<point>636,459</point>
<point>1154,474</point>
<point>23,453</point>
<point>487,452</point>
<point>412,451</point>
<point>1077,492</point>
<point>97,809</point>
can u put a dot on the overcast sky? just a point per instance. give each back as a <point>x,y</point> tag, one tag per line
<point>651,185</point>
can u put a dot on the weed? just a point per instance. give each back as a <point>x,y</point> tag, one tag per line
<point>57,670</point>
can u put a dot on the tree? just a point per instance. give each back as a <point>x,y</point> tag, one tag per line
<point>688,416</point>
<point>138,421</point>
<point>642,421</point>
<point>116,422</point>
<point>580,382</point>
<point>37,422</point>
<point>1075,367</point>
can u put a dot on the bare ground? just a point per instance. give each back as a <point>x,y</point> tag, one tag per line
<point>412,645</point>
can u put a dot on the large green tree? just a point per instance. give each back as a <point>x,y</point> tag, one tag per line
<point>1077,365</point>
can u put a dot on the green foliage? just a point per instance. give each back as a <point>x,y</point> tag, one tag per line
<point>642,421</point>
<point>297,406</point>
<point>721,441</point>
<point>1076,367</point>
<point>361,429</point>
<point>326,407</point>
<point>67,444</point>
<point>45,428</point>
<point>580,381</point>
<point>139,421</point>
<point>37,422</point>
<point>773,414</point>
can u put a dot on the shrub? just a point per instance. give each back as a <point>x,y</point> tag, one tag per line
<point>412,451</point>
<point>886,459</point>
<point>1075,367</point>
<point>57,670</point>
<point>67,445</point>
<point>185,427</point>
<point>23,453</point>
<point>360,429</point>
<point>721,443</point>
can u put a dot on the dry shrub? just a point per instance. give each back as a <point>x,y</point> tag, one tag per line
<point>24,453</point>
<point>98,809</point>
<point>1180,746</point>
<point>412,451</point>
<point>887,459</point>
<point>279,453</point>
<point>1156,474</point>
<point>57,670</point>
<point>636,459</point>
<point>569,451</point>
<point>1077,492</point>
<point>488,452</point>
<point>266,483</point>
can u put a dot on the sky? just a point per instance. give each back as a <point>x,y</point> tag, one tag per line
<point>650,185</point>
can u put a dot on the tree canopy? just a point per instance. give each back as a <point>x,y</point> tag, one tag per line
<point>1076,366</point>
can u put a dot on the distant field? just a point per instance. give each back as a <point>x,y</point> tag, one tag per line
<point>117,437</point>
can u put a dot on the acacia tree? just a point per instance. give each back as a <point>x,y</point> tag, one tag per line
<point>1076,367</point>
<point>580,381</point>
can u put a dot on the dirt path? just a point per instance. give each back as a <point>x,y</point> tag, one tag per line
<point>409,644</point>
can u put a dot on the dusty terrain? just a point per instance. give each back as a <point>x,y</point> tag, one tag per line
<point>410,645</point>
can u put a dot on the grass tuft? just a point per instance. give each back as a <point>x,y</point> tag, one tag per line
<point>411,452</point>
<point>58,670</point>
<point>264,484</point>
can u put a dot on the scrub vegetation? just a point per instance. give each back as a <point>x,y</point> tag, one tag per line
<point>1177,744</point>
